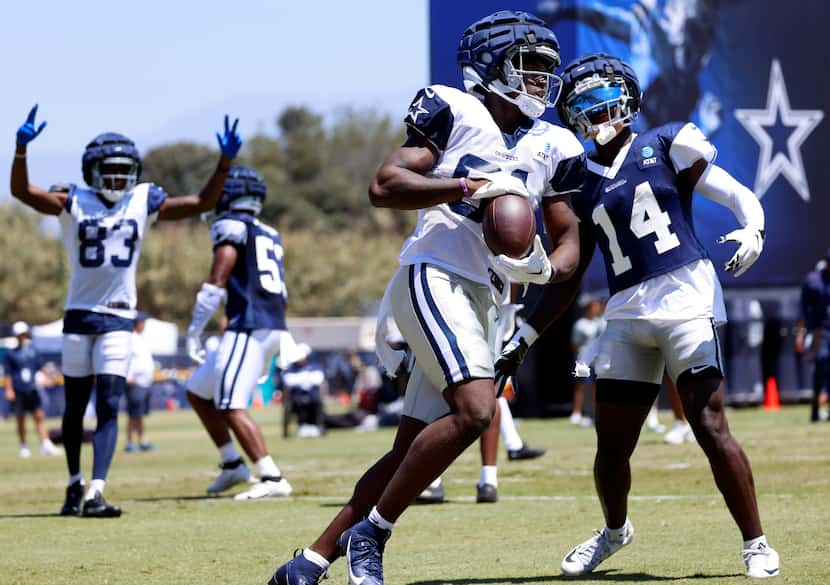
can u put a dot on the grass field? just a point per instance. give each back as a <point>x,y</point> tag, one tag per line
<point>172,534</point>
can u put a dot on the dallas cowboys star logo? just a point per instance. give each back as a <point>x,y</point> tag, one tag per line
<point>417,108</point>
<point>777,114</point>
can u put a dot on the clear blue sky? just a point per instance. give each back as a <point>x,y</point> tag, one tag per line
<point>160,71</point>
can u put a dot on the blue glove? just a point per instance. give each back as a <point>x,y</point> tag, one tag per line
<point>27,132</point>
<point>230,142</point>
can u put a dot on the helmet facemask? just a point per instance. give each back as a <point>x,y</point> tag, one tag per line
<point>515,72</point>
<point>112,186</point>
<point>598,107</point>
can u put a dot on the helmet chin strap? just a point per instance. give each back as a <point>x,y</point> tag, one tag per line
<point>606,133</point>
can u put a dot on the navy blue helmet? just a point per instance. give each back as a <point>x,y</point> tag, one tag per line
<point>111,149</point>
<point>244,190</point>
<point>599,91</point>
<point>492,55</point>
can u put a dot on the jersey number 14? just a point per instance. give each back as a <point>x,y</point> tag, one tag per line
<point>646,218</point>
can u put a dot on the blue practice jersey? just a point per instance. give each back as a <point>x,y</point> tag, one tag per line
<point>815,301</point>
<point>256,288</point>
<point>640,212</point>
<point>21,365</point>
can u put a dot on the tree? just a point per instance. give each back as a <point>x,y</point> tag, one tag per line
<point>180,168</point>
<point>35,272</point>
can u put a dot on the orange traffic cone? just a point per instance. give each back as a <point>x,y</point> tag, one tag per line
<point>771,400</point>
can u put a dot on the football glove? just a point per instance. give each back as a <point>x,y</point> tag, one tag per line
<point>751,244</point>
<point>28,132</point>
<point>512,355</point>
<point>500,184</point>
<point>534,268</point>
<point>229,142</point>
<point>195,349</point>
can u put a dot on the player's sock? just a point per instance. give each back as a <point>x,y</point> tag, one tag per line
<point>76,396</point>
<point>96,486</point>
<point>489,474</point>
<point>753,543</point>
<point>379,521</point>
<point>436,484</point>
<point>509,434</point>
<point>108,389</point>
<point>228,452</point>
<point>315,558</point>
<point>617,534</point>
<point>266,467</point>
<point>75,477</point>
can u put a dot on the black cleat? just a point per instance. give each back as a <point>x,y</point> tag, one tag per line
<point>72,503</point>
<point>431,495</point>
<point>487,494</point>
<point>98,507</point>
<point>525,453</point>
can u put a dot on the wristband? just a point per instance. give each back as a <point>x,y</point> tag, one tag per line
<point>526,332</point>
<point>19,155</point>
<point>464,188</point>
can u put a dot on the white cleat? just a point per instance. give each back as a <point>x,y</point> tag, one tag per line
<point>233,473</point>
<point>761,561</point>
<point>680,433</point>
<point>24,453</point>
<point>266,488</point>
<point>653,423</point>
<point>48,448</point>
<point>586,557</point>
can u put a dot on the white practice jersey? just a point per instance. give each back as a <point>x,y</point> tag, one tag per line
<point>103,244</point>
<point>548,159</point>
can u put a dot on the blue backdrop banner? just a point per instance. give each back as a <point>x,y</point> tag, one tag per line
<point>750,73</point>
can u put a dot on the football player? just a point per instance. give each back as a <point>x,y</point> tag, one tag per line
<point>21,365</point>
<point>247,274</point>
<point>461,149</point>
<point>104,225</point>
<point>666,301</point>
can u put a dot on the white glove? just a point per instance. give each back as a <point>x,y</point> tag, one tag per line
<point>195,349</point>
<point>500,183</point>
<point>751,242</point>
<point>534,268</point>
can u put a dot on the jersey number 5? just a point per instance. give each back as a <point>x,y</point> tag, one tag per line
<point>646,218</point>
<point>268,256</point>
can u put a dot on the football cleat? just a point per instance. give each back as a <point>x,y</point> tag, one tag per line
<point>761,561</point>
<point>431,495</point>
<point>525,452</point>
<point>97,507</point>
<point>72,503</point>
<point>363,545</point>
<point>266,487</point>
<point>24,452</point>
<point>586,557</point>
<point>680,433</point>
<point>487,494</point>
<point>233,472</point>
<point>298,571</point>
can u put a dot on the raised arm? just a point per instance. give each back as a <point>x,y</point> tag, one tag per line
<point>50,203</point>
<point>189,205</point>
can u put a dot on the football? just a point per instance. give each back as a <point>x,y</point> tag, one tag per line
<point>509,225</point>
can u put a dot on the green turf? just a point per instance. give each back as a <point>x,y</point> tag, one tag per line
<point>170,534</point>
